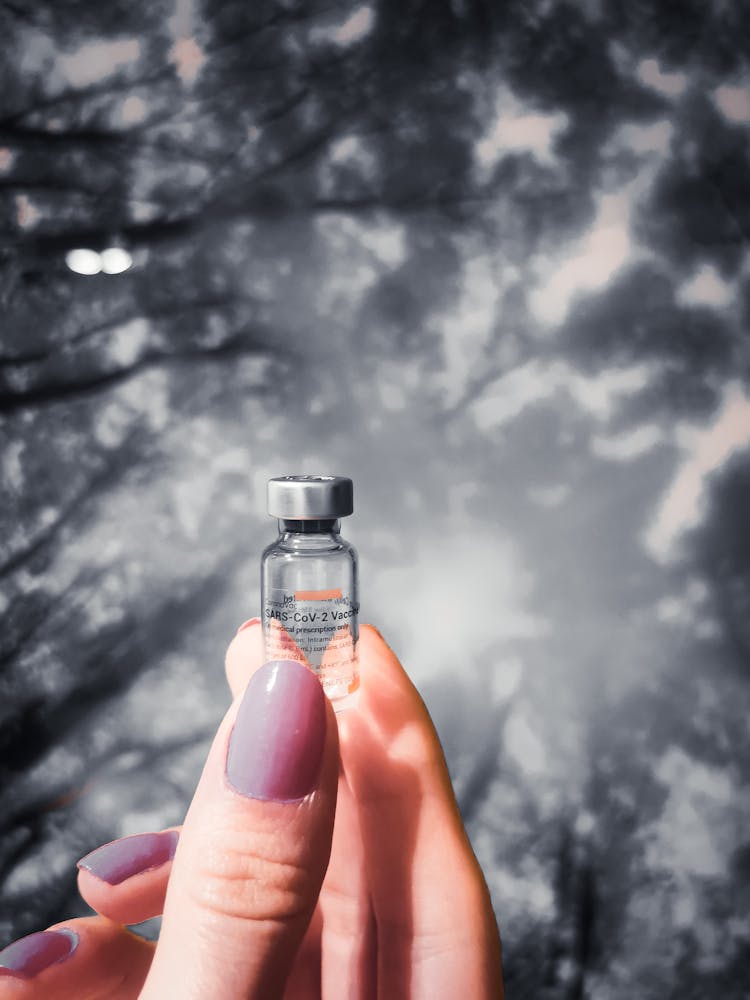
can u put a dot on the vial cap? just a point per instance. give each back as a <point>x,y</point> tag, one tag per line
<point>310,498</point>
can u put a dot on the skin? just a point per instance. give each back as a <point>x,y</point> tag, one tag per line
<point>276,900</point>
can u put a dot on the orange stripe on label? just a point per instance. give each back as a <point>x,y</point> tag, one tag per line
<point>316,595</point>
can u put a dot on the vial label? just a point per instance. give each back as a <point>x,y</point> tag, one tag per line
<point>317,627</point>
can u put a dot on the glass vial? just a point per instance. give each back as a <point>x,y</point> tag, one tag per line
<point>309,596</point>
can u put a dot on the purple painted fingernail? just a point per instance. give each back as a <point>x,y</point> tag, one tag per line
<point>128,856</point>
<point>276,746</point>
<point>35,952</point>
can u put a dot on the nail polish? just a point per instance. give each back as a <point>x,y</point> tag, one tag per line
<point>32,954</point>
<point>120,859</point>
<point>276,746</point>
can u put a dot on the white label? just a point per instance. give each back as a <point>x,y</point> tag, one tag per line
<point>317,627</point>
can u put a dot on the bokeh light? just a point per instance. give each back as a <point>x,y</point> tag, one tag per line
<point>84,261</point>
<point>115,260</point>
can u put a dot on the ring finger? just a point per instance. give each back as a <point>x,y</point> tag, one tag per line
<point>89,958</point>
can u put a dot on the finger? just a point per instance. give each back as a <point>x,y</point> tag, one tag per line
<point>89,958</point>
<point>348,931</point>
<point>435,926</point>
<point>254,846</point>
<point>304,978</point>
<point>280,645</point>
<point>348,940</point>
<point>126,880</point>
<point>244,656</point>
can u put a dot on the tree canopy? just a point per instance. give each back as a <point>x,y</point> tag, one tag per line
<point>491,260</point>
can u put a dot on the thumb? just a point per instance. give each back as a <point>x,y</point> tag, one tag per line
<point>255,844</point>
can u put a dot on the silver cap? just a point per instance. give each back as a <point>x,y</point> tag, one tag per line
<point>310,498</point>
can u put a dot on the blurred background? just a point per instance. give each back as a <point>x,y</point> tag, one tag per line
<point>491,260</point>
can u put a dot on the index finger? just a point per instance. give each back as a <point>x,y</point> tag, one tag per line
<point>436,930</point>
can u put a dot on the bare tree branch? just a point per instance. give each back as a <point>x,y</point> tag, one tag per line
<point>40,725</point>
<point>78,95</point>
<point>187,306</point>
<point>66,512</point>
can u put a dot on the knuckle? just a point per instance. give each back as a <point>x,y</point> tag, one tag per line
<point>258,883</point>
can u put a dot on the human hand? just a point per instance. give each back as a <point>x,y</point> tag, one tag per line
<point>250,910</point>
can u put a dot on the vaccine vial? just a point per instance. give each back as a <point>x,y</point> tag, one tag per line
<point>309,596</point>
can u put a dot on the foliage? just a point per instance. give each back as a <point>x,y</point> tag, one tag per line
<point>491,260</point>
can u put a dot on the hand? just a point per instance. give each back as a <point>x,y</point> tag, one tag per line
<point>252,906</point>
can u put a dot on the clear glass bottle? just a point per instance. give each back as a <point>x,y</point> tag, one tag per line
<point>309,595</point>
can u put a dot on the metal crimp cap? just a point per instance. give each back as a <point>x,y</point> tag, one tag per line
<point>310,498</point>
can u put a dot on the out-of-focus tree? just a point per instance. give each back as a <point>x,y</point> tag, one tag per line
<point>490,258</point>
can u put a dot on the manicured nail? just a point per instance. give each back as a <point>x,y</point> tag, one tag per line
<point>128,856</point>
<point>276,746</point>
<point>247,624</point>
<point>35,952</point>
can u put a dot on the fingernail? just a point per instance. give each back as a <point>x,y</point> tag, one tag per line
<point>247,624</point>
<point>276,746</point>
<point>36,952</point>
<point>128,856</point>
